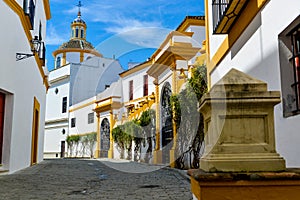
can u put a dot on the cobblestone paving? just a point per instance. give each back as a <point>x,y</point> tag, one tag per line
<point>94,179</point>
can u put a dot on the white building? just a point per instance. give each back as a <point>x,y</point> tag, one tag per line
<point>79,75</point>
<point>263,41</point>
<point>23,83</point>
<point>141,88</point>
<point>171,65</point>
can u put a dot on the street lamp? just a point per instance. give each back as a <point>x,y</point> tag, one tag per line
<point>35,47</point>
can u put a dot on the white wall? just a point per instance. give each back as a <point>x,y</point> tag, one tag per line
<point>81,115</point>
<point>256,53</point>
<point>138,84</point>
<point>21,81</point>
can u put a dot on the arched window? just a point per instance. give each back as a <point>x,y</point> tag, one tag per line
<point>58,62</point>
<point>76,33</point>
<point>81,35</point>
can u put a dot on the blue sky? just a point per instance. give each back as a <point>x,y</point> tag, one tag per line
<point>130,30</point>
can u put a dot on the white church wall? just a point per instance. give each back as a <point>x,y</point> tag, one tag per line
<point>80,112</point>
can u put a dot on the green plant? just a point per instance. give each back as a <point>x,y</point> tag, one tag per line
<point>147,122</point>
<point>88,141</point>
<point>73,141</point>
<point>188,121</point>
<point>119,137</point>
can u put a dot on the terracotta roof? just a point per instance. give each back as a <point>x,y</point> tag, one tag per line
<point>76,44</point>
<point>190,17</point>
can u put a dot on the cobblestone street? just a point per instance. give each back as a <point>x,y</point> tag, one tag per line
<point>95,179</point>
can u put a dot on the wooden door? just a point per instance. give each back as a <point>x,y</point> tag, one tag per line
<point>2,106</point>
<point>62,149</point>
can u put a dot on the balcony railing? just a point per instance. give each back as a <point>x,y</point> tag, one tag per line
<point>29,10</point>
<point>225,12</point>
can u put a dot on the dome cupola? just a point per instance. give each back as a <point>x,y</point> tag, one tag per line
<point>78,26</point>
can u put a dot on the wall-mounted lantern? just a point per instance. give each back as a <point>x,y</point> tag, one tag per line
<point>35,48</point>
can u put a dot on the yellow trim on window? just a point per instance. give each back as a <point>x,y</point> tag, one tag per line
<point>26,26</point>
<point>246,17</point>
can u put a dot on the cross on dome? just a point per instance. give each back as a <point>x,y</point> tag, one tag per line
<point>79,6</point>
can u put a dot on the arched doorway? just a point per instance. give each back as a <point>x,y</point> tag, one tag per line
<point>104,138</point>
<point>166,122</point>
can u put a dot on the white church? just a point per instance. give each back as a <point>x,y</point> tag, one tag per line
<point>80,73</point>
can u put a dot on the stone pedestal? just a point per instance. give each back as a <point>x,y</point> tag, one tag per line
<point>245,186</point>
<point>239,126</point>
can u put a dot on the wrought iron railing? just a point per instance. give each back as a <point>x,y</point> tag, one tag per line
<point>219,7</point>
<point>225,13</point>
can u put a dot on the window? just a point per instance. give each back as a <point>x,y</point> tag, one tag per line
<point>145,85</point>
<point>64,105</point>
<point>73,122</point>
<point>90,118</point>
<point>131,90</point>
<point>29,10</point>
<point>225,12</point>
<point>42,53</point>
<point>81,33</point>
<point>77,32</point>
<point>289,54</point>
<point>58,62</point>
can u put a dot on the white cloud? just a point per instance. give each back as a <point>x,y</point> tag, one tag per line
<point>53,38</point>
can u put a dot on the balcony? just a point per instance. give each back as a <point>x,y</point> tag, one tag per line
<point>225,12</point>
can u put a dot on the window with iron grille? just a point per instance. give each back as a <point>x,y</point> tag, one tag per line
<point>225,13</point>
<point>29,10</point>
<point>145,85</point>
<point>73,122</point>
<point>131,90</point>
<point>90,118</point>
<point>289,54</point>
<point>295,61</point>
<point>64,105</point>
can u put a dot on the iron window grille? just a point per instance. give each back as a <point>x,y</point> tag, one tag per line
<point>145,85</point>
<point>64,105</point>
<point>29,10</point>
<point>73,122</point>
<point>225,12</point>
<point>131,90</point>
<point>295,61</point>
<point>90,118</point>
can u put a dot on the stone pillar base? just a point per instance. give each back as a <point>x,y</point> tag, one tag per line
<point>172,158</point>
<point>157,157</point>
<point>246,186</point>
<point>242,162</point>
<point>97,154</point>
<point>110,154</point>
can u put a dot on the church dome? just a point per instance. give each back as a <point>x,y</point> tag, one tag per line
<point>78,20</point>
<point>76,43</point>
